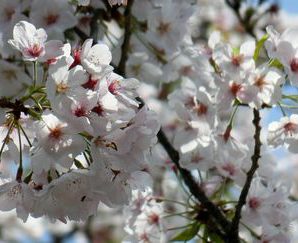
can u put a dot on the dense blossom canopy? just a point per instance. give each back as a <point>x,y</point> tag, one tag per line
<point>103,105</point>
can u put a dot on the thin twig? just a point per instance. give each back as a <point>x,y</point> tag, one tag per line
<point>192,185</point>
<point>20,169</point>
<point>235,5</point>
<point>250,174</point>
<point>17,107</point>
<point>127,35</point>
<point>80,33</point>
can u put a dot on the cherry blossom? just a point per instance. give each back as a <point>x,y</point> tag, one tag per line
<point>95,59</point>
<point>155,112</point>
<point>268,83</point>
<point>57,144</point>
<point>284,132</point>
<point>235,63</point>
<point>32,42</point>
<point>84,2</point>
<point>118,2</point>
<point>55,17</point>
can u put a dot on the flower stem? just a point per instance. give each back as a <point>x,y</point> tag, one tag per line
<point>34,73</point>
<point>20,169</point>
<point>6,138</point>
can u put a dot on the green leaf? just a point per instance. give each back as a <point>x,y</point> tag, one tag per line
<point>27,179</point>
<point>236,50</point>
<point>34,114</point>
<point>215,238</point>
<point>259,46</point>
<point>78,164</point>
<point>188,233</point>
<point>275,63</point>
<point>291,97</point>
<point>249,13</point>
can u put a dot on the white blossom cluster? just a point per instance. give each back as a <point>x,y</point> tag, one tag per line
<point>206,142</point>
<point>91,111</point>
<point>75,134</point>
<point>111,2</point>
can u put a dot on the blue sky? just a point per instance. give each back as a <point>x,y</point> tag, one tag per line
<point>290,6</point>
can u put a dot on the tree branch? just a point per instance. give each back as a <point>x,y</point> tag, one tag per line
<point>127,34</point>
<point>255,165</point>
<point>245,22</point>
<point>188,179</point>
<point>213,211</point>
<point>80,33</point>
<point>17,107</point>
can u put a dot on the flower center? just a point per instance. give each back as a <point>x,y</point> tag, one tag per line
<point>202,109</point>
<point>190,102</point>
<point>80,111</point>
<point>90,84</point>
<point>294,65</point>
<point>55,133</point>
<point>290,127</point>
<point>235,88</point>
<point>237,60</point>
<point>196,158</point>
<point>186,70</point>
<point>62,88</point>
<point>153,218</point>
<point>114,86</point>
<point>9,12</point>
<point>35,50</point>
<point>51,19</point>
<point>260,82</point>
<point>163,28</point>
<point>85,21</point>
<point>254,203</point>
<point>229,168</point>
<point>98,110</point>
<point>76,57</point>
<point>144,237</point>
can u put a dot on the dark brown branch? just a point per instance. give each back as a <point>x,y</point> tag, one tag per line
<point>16,107</point>
<point>245,22</point>
<point>188,179</point>
<point>80,33</point>
<point>213,211</point>
<point>233,235</point>
<point>127,35</point>
<point>94,25</point>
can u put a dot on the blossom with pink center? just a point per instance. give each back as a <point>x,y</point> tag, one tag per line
<point>194,154</point>
<point>124,90</point>
<point>285,132</point>
<point>19,196</point>
<point>32,42</point>
<point>83,2</point>
<point>147,223</point>
<point>235,64</point>
<point>64,83</point>
<point>194,105</point>
<point>266,205</point>
<point>121,148</point>
<point>96,59</point>
<point>57,144</point>
<point>54,16</point>
<point>284,47</point>
<point>267,83</point>
<point>119,2</point>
